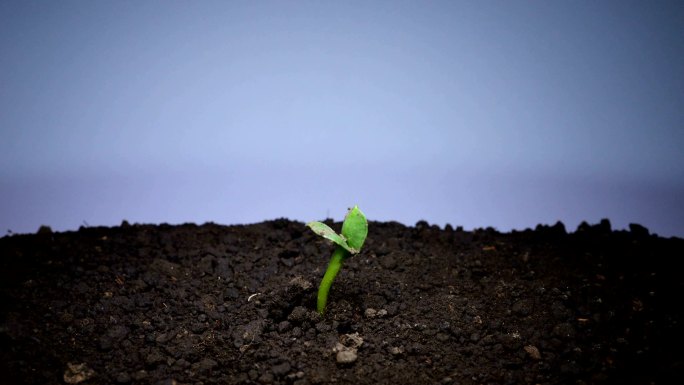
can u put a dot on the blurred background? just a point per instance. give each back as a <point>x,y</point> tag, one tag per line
<point>474,113</point>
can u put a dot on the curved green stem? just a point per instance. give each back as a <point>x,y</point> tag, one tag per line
<point>334,266</point>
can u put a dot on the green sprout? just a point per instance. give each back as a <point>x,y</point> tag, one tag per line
<point>349,242</point>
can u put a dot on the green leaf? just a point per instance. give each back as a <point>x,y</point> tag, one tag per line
<point>355,229</point>
<point>326,232</point>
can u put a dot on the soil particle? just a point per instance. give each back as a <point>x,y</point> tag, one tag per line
<point>282,369</point>
<point>266,378</point>
<point>388,262</point>
<point>533,352</point>
<point>346,356</point>
<point>206,365</point>
<point>77,373</point>
<point>522,307</point>
<point>122,378</point>
<point>564,330</point>
<point>154,357</point>
<point>209,304</point>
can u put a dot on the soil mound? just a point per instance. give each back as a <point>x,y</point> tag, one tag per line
<point>211,304</point>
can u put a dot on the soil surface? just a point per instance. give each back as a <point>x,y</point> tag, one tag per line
<point>211,304</point>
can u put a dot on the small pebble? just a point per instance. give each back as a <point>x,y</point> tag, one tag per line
<point>396,350</point>
<point>346,356</point>
<point>533,352</point>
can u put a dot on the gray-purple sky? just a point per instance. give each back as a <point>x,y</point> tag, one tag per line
<point>473,113</point>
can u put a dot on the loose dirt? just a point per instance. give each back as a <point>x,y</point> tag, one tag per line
<point>210,304</point>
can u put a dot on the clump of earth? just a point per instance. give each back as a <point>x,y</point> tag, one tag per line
<point>209,304</point>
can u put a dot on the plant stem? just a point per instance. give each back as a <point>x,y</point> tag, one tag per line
<point>334,266</point>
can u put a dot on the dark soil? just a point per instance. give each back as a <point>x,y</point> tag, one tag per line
<point>420,305</point>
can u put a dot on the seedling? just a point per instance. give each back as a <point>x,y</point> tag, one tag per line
<point>349,242</point>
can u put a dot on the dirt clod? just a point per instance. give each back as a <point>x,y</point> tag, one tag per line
<point>346,356</point>
<point>77,373</point>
